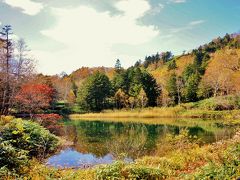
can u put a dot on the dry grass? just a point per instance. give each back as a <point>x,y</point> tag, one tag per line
<point>157,112</point>
<point>171,112</point>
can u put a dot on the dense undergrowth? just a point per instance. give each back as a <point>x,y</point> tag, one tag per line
<point>177,157</point>
<point>20,142</point>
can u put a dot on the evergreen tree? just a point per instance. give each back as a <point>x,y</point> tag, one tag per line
<point>191,88</point>
<point>93,93</point>
<point>132,80</point>
<point>171,88</point>
<point>172,65</point>
<point>151,88</point>
<point>118,66</point>
<point>166,56</point>
<point>118,82</point>
<point>5,70</point>
<point>138,63</point>
<point>188,71</point>
<point>135,77</point>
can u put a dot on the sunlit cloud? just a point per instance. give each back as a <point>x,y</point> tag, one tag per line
<point>156,9</point>
<point>178,1</point>
<point>27,6</point>
<point>189,26</point>
<point>193,23</point>
<point>89,35</point>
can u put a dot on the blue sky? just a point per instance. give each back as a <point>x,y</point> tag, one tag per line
<point>65,35</point>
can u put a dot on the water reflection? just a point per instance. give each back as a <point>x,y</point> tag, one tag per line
<point>98,142</point>
<point>71,158</point>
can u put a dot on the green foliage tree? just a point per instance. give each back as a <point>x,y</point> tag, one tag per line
<point>138,63</point>
<point>166,56</point>
<point>151,88</point>
<point>191,88</point>
<point>204,91</point>
<point>188,71</point>
<point>118,66</point>
<point>172,65</point>
<point>118,82</point>
<point>93,94</point>
<point>171,88</point>
<point>133,79</point>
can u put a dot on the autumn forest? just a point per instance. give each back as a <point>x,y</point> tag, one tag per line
<point>200,84</point>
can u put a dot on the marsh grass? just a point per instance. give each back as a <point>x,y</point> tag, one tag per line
<point>219,107</point>
<point>169,112</point>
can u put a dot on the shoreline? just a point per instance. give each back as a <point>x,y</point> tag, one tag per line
<point>169,112</point>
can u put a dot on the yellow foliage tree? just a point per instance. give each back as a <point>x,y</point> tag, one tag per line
<point>121,99</point>
<point>222,72</point>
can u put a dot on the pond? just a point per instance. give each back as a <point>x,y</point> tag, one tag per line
<point>102,142</point>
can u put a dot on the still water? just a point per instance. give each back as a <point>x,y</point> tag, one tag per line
<point>102,142</point>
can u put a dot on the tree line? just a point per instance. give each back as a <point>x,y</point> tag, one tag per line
<point>214,71</point>
<point>129,88</point>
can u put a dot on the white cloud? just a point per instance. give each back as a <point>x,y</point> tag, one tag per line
<point>133,8</point>
<point>28,7</point>
<point>156,9</point>
<point>194,23</point>
<point>89,36</point>
<point>189,26</point>
<point>178,1</point>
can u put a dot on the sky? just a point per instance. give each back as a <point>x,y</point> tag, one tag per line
<point>68,34</point>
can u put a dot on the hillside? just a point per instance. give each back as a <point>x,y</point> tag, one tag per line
<point>211,70</point>
<point>217,62</point>
<point>160,70</point>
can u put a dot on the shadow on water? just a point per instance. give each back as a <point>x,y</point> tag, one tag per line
<point>99,142</point>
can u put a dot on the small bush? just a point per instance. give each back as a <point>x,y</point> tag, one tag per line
<point>11,158</point>
<point>144,172</point>
<point>51,122</point>
<point>112,171</point>
<point>5,119</point>
<point>227,168</point>
<point>120,170</point>
<point>29,136</point>
<point>220,103</point>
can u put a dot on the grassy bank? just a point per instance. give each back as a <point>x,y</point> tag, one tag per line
<point>225,107</point>
<point>168,112</point>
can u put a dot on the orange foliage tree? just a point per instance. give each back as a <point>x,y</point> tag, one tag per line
<point>222,73</point>
<point>34,97</point>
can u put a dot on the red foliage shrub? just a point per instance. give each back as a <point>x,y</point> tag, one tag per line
<point>51,122</point>
<point>34,97</point>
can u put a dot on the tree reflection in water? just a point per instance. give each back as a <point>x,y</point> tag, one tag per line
<point>130,144</point>
<point>131,140</point>
<point>126,141</point>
